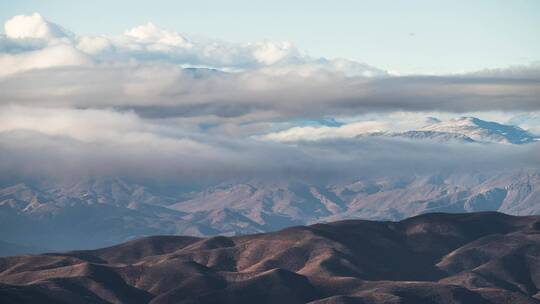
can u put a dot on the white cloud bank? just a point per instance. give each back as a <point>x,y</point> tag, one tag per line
<point>148,42</point>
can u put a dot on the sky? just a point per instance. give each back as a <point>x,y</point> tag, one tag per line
<point>208,92</point>
<point>405,37</point>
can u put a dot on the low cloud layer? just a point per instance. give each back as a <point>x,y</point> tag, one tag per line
<point>66,143</point>
<point>273,92</point>
<point>156,103</point>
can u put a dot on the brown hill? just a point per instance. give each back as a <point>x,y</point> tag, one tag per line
<point>432,258</point>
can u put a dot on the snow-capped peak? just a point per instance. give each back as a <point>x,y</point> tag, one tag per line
<point>483,131</point>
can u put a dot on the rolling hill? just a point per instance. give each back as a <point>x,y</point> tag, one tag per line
<point>432,258</point>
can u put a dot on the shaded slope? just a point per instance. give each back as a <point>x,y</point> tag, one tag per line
<point>432,258</point>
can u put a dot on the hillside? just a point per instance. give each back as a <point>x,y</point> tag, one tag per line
<point>432,258</point>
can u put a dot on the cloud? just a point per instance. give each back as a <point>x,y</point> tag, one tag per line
<point>66,143</point>
<point>143,70</point>
<point>153,35</point>
<point>149,42</point>
<point>31,42</point>
<point>33,27</point>
<point>88,125</point>
<point>353,127</point>
<point>529,121</point>
<point>164,90</point>
<point>54,56</point>
<point>123,144</point>
<point>94,45</point>
<point>154,103</point>
<point>350,130</point>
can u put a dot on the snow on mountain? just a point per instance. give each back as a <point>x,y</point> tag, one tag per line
<point>483,131</point>
<point>428,135</point>
<point>464,129</point>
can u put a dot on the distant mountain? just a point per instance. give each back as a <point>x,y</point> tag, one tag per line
<point>328,122</point>
<point>482,131</point>
<point>460,130</point>
<point>93,213</point>
<point>86,213</point>
<point>198,72</point>
<point>437,136</point>
<point>464,130</point>
<point>274,205</point>
<point>481,258</point>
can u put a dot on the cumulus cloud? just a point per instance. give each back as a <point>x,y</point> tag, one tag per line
<point>94,45</point>
<point>33,27</point>
<point>149,42</point>
<point>153,35</point>
<point>31,42</point>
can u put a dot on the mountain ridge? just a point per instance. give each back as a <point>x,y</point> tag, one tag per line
<point>466,129</point>
<point>431,258</point>
<point>89,216</point>
<point>483,131</point>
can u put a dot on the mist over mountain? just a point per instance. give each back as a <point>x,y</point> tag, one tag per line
<point>58,213</point>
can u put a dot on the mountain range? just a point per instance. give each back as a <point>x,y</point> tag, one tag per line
<point>467,129</point>
<point>94,213</point>
<point>437,258</point>
<point>483,131</point>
